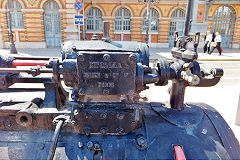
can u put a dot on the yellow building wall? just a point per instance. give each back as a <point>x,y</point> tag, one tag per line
<point>236,25</point>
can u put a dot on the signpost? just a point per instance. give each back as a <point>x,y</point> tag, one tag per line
<point>79,19</point>
<point>78,6</point>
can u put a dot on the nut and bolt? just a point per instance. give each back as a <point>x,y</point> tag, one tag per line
<point>96,146</point>
<point>87,130</point>
<point>103,115</point>
<point>119,130</point>
<point>132,58</point>
<point>106,57</point>
<point>103,130</point>
<point>81,91</point>
<point>90,145</point>
<point>41,146</point>
<point>120,116</point>
<point>141,141</point>
<point>73,122</point>
<point>125,74</point>
<point>106,91</point>
<point>81,57</point>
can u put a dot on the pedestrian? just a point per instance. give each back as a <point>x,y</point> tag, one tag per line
<point>217,44</point>
<point>207,41</point>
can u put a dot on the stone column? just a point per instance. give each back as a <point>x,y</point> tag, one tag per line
<point>71,31</point>
<point>136,29</point>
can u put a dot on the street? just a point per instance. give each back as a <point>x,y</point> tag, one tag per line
<point>223,97</point>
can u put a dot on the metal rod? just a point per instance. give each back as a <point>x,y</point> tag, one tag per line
<point>19,79</point>
<point>16,70</point>
<point>33,58</point>
<point>187,18</point>
<point>13,49</point>
<point>177,95</point>
<point>83,22</point>
<point>55,140</point>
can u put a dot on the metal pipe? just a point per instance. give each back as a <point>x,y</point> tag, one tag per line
<point>187,18</point>
<point>55,140</point>
<point>13,49</point>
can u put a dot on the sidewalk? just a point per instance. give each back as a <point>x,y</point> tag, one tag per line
<point>227,55</point>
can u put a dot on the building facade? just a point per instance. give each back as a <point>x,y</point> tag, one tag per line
<point>48,23</point>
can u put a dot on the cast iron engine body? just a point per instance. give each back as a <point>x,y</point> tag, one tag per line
<point>103,118</point>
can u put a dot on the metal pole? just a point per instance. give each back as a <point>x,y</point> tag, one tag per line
<point>187,18</point>
<point>79,30</point>
<point>83,22</point>
<point>148,19</point>
<point>13,49</point>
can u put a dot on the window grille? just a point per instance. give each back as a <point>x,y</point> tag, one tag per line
<point>94,20</point>
<point>122,20</point>
<point>153,19</point>
<point>177,22</point>
<point>16,14</point>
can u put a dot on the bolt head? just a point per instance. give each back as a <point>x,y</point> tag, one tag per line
<point>90,145</point>
<point>81,57</point>
<point>80,144</point>
<point>106,91</point>
<point>81,91</point>
<point>106,57</point>
<point>132,58</point>
<point>96,146</point>
<point>141,141</point>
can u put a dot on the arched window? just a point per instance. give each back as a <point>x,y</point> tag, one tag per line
<point>16,14</point>
<point>94,20</point>
<point>177,22</point>
<point>223,22</point>
<point>153,19</point>
<point>122,20</point>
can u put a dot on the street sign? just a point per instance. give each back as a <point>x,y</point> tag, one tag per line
<point>78,6</point>
<point>79,19</point>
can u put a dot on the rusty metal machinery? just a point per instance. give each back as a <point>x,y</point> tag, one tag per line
<point>102,117</point>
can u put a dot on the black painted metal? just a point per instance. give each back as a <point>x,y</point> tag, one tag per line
<point>55,140</point>
<point>104,118</point>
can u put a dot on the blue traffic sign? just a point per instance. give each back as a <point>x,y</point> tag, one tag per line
<point>79,19</point>
<point>78,6</point>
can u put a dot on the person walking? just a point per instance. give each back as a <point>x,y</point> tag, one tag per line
<point>217,44</point>
<point>207,42</point>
